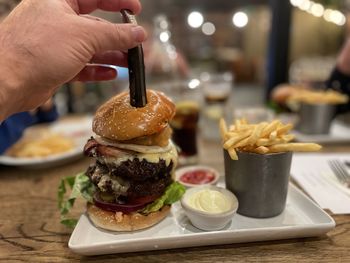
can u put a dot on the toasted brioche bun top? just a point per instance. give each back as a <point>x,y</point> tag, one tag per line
<point>118,120</point>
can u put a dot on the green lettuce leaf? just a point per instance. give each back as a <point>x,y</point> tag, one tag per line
<point>80,185</point>
<point>173,193</point>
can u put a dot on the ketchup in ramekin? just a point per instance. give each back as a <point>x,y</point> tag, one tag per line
<point>197,176</point>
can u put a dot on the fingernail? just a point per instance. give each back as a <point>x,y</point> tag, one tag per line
<point>138,33</point>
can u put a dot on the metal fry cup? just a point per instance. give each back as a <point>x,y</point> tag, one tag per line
<point>315,118</point>
<point>260,182</point>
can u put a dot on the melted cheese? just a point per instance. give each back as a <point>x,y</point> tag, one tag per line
<point>118,185</point>
<point>168,156</point>
<point>134,147</point>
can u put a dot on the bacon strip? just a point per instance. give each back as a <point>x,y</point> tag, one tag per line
<point>90,146</point>
<point>94,149</point>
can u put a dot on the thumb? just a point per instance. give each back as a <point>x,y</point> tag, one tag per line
<point>108,36</point>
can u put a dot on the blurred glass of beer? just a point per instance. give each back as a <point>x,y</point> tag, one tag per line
<point>216,90</point>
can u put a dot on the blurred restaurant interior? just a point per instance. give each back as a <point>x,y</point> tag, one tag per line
<point>242,74</point>
<point>260,43</point>
<point>297,42</point>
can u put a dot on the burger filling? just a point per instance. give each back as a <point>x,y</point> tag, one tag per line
<point>131,179</point>
<point>125,178</point>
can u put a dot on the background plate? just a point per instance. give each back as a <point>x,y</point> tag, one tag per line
<point>339,133</point>
<point>78,129</point>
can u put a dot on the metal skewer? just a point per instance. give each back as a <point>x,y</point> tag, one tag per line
<point>137,80</point>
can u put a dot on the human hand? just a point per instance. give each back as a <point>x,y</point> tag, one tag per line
<point>44,44</point>
<point>48,105</point>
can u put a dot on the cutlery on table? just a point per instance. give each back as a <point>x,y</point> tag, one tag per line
<point>340,172</point>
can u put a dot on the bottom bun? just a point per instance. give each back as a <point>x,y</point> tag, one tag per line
<point>125,222</point>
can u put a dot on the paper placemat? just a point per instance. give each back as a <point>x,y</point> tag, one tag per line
<point>313,173</point>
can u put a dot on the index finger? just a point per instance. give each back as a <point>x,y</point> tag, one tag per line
<point>87,6</point>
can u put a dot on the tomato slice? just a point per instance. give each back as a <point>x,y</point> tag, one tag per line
<point>114,207</point>
<point>143,199</point>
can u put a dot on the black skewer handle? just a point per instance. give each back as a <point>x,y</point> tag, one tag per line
<point>137,79</point>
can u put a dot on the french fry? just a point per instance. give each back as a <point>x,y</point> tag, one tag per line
<point>284,129</point>
<point>244,121</point>
<point>232,153</point>
<point>245,127</point>
<point>263,142</point>
<point>295,147</point>
<point>227,136</point>
<point>262,138</point>
<point>256,133</point>
<point>288,137</point>
<point>270,128</point>
<point>237,125</point>
<point>273,135</point>
<point>46,143</point>
<point>223,127</point>
<point>231,141</point>
<point>268,142</point>
<point>242,143</point>
<point>235,139</point>
<point>248,148</point>
<point>316,97</point>
<point>261,150</point>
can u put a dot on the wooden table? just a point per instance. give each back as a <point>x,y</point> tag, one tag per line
<point>30,230</point>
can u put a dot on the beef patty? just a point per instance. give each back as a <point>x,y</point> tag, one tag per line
<point>142,177</point>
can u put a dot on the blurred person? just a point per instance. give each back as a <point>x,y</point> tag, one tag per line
<point>340,76</point>
<point>12,129</point>
<point>45,44</point>
<point>339,80</point>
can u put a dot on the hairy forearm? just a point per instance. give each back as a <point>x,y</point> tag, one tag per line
<point>3,107</point>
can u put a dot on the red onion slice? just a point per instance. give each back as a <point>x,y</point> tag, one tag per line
<point>114,207</point>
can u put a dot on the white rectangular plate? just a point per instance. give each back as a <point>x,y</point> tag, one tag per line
<point>338,133</point>
<point>301,218</point>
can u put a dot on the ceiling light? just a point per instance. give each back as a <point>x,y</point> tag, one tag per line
<point>195,19</point>
<point>208,28</point>
<point>240,19</point>
<point>164,36</point>
<point>317,10</point>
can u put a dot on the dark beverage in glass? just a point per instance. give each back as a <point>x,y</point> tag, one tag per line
<point>216,99</point>
<point>185,125</point>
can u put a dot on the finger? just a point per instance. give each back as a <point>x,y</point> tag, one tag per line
<point>96,73</point>
<point>106,36</point>
<point>117,58</point>
<point>87,6</point>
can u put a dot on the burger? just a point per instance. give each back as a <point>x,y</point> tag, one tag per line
<point>134,163</point>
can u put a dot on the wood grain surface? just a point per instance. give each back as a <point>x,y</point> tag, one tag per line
<point>30,230</point>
